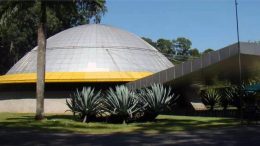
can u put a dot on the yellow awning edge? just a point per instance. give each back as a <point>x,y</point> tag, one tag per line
<point>70,77</point>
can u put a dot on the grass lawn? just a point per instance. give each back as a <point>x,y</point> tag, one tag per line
<point>64,123</point>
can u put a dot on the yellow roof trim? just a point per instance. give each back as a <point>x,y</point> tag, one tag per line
<point>56,77</point>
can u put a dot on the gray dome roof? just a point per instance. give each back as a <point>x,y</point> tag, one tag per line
<point>95,48</point>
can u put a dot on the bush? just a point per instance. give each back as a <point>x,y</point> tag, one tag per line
<point>85,105</point>
<point>155,100</point>
<point>210,97</point>
<point>121,103</point>
<point>240,96</point>
<point>225,98</point>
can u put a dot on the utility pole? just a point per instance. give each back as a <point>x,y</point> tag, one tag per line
<point>239,64</point>
<point>238,39</point>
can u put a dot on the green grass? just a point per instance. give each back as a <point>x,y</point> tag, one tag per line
<point>64,123</point>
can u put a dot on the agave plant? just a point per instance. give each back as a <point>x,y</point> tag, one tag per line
<point>155,100</point>
<point>210,97</point>
<point>239,94</point>
<point>226,98</point>
<point>85,104</point>
<point>121,103</point>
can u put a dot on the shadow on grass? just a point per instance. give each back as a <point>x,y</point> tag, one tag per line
<point>163,124</point>
<point>61,129</point>
<point>171,125</point>
<point>52,123</point>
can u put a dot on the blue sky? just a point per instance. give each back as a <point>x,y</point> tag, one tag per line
<point>208,23</point>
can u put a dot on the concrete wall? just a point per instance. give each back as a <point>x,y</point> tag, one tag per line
<point>25,102</point>
<point>29,105</point>
<point>21,97</point>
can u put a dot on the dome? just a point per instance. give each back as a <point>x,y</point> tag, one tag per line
<point>91,52</point>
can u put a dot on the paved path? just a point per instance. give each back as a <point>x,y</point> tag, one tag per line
<point>220,137</point>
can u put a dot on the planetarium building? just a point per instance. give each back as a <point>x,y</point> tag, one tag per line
<point>102,56</point>
<point>91,53</point>
<point>95,55</point>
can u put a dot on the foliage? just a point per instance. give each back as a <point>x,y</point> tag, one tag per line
<point>177,51</point>
<point>210,97</point>
<point>150,41</point>
<point>165,46</point>
<point>225,97</point>
<point>156,99</point>
<point>207,50</point>
<point>169,47</point>
<point>239,95</point>
<point>12,34</point>
<point>181,58</point>
<point>194,52</point>
<point>85,104</point>
<point>182,45</point>
<point>18,23</point>
<point>234,93</point>
<point>88,9</point>
<point>121,103</point>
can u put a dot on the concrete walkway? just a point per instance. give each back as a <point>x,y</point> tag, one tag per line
<point>220,137</point>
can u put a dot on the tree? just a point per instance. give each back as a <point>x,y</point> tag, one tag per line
<point>164,46</point>
<point>87,9</point>
<point>194,52</point>
<point>13,35</point>
<point>208,50</point>
<point>22,24</point>
<point>41,53</point>
<point>149,41</point>
<point>182,45</point>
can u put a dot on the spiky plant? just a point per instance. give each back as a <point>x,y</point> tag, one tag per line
<point>155,100</point>
<point>239,94</point>
<point>120,103</point>
<point>226,98</point>
<point>210,97</point>
<point>85,104</point>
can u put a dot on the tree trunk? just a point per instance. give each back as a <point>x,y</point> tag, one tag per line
<point>41,51</point>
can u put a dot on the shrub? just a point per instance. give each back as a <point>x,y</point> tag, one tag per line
<point>155,100</point>
<point>210,97</point>
<point>239,95</point>
<point>121,103</point>
<point>85,104</point>
<point>225,98</point>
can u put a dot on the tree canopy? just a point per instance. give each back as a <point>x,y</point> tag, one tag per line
<point>18,23</point>
<point>208,50</point>
<point>194,52</point>
<point>164,46</point>
<point>150,41</point>
<point>182,45</point>
<point>176,50</point>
